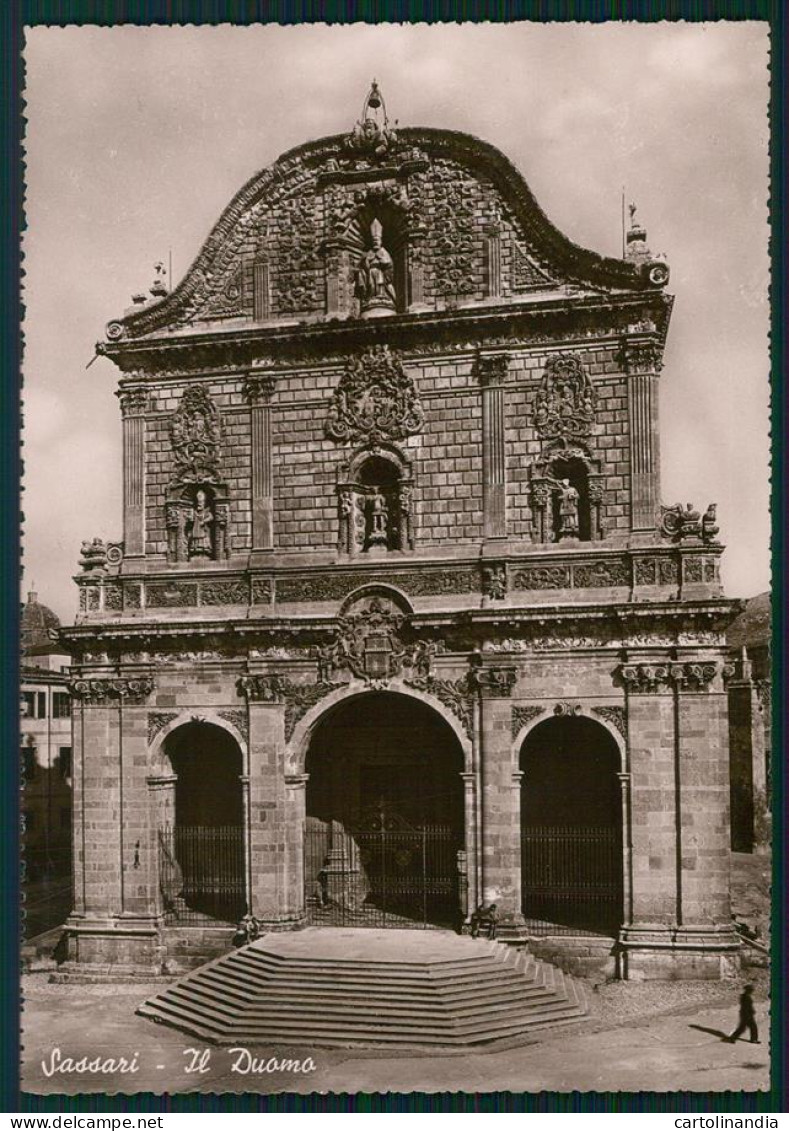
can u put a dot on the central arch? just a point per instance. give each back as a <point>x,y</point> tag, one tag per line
<point>384,829</point>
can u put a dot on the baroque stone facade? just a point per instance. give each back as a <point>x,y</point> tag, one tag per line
<point>389,447</point>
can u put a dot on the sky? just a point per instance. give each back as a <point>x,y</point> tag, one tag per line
<point>138,138</point>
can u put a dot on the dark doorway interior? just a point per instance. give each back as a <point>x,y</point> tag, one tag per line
<point>384,830</point>
<point>571,828</point>
<point>202,852</point>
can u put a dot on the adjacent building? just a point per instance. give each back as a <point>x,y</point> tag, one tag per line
<point>45,744</point>
<point>398,624</point>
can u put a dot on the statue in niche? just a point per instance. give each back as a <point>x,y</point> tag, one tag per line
<point>568,508</point>
<point>201,520</point>
<point>378,519</point>
<point>374,276</point>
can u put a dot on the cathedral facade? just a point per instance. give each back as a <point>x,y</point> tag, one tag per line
<point>398,625</point>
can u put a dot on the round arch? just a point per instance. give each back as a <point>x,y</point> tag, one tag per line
<point>296,754</point>
<point>574,868</point>
<point>547,713</point>
<point>158,756</point>
<point>384,814</point>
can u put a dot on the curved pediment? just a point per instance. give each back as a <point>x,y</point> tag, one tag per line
<point>364,226</point>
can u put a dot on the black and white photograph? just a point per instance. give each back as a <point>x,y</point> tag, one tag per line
<point>396,612</point>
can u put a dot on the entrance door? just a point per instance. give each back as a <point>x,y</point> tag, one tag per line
<point>384,829</point>
<point>571,829</point>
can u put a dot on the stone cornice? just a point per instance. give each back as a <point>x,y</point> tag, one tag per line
<point>485,326</point>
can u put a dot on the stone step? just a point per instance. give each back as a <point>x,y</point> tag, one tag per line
<point>214,996</point>
<point>343,995</point>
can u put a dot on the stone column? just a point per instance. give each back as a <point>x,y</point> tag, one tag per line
<point>470,816</point>
<point>492,372</point>
<point>267,809</point>
<point>500,816</point>
<point>643,364</point>
<point>703,795</point>
<point>133,405</point>
<point>161,802</point>
<point>653,797</point>
<point>292,908</point>
<point>627,851</point>
<point>259,390</point>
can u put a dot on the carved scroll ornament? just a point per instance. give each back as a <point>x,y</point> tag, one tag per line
<point>564,406</point>
<point>196,437</point>
<point>375,400</point>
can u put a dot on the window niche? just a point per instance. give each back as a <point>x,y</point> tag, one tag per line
<point>566,496</point>
<point>374,493</point>
<point>197,518</point>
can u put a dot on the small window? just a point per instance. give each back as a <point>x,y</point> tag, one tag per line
<point>27,704</point>
<point>41,709</point>
<point>61,705</point>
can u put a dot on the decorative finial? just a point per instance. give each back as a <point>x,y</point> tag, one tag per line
<point>372,134</point>
<point>159,287</point>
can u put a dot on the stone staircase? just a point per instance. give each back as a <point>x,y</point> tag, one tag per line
<point>437,990</point>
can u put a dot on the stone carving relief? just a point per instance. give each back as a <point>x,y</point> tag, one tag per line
<point>157,721</point>
<point>332,587</point>
<point>685,524</point>
<point>298,266</point>
<point>238,719</point>
<point>101,691</point>
<point>494,581</point>
<point>564,405</point>
<point>599,575</point>
<point>368,644</point>
<point>566,710</point>
<point>374,400</point>
<point>298,698</point>
<point>374,284</point>
<point>196,437</point>
<point>522,716</point>
<point>652,677</point>
<point>493,683</point>
<point>452,237</point>
<point>372,134</point>
<point>616,716</point>
<point>454,694</point>
<point>543,577</point>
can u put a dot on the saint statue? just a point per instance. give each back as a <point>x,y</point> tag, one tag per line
<point>378,519</point>
<point>568,509</point>
<point>374,276</point>
<point>202,519</point>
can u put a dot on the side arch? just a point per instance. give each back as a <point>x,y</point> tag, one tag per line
<point>159,760</point>
<point>521,735</point>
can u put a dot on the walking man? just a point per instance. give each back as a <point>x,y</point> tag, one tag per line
<point>747,1018</point>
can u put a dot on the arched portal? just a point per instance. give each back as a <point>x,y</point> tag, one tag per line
<point>201,844</point>
<point>384,828</point>
<point>571,828</point>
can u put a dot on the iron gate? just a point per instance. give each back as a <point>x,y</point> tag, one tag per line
<point>201,873</point>
<point>572,880</point>
<point>383,876</point>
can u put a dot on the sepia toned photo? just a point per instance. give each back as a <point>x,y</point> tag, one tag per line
<point>396,670</point>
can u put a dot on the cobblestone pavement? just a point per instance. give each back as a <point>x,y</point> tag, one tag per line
<point>611,1051</point>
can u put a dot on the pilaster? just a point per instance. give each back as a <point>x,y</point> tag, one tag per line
<point>259,390</point>
<point>133,405</point>
<point>643,364</point>
<point>492,372</point>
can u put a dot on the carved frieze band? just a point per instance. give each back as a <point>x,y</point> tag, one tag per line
<point>99,691</point>
<point>655,677</point>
